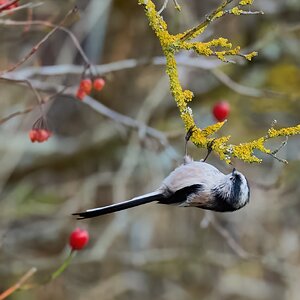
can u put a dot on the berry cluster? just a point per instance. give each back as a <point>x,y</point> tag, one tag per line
<point>39,135</point>
<point>8,7</point>
<point>40,131</point>
<point>86,85</point>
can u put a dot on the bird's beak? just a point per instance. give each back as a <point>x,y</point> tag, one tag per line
<point>233,171</point>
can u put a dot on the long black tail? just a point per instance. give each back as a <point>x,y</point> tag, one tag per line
<point>95,212</point>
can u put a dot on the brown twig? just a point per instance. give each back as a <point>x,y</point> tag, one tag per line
<point>177,6</point>
<point>28,83</point>
<point>107,112</point>
<point>125,120</point>
<point>35,92</point>
<point>238,88</point>
<point>274,153</point>
<point>39,44</point>
<point>189,34</point>
<point>18,113</point>
<point>17,285</point>
<point>29,19</point>
<point>31,108</point>
<point>54,26</point>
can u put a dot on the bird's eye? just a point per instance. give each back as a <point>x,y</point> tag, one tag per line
<point>231,178</point>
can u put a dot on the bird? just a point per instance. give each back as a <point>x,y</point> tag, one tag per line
<point>192,184</point>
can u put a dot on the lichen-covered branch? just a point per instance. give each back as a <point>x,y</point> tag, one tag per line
<point>220,48</point>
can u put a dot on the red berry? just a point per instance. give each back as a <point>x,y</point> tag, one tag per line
<point>221,110</point>
<point>98,84</point>
<point>39,135</point>
<point>86,85</point>
<point>3,2</point>
<point>32,135</point>
<point>78,239</point>
<point>80,94</point>
<point>44,135</point>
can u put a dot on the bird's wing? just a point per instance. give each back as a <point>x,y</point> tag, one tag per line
<point>193,173</point>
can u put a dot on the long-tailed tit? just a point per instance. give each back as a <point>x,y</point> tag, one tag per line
<point>192,184</point>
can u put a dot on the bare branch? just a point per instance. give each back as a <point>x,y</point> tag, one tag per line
<point>177,6</point>
<point>125,120</point>
<point>163,6</point>
<point>39,44</point>
<point>238,88</point>
<point>49,24</point>
<point>190,33</point>
<point>15,114</point>
<point>17,285</point>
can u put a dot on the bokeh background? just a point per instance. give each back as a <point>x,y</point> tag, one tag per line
<point>151,251</point>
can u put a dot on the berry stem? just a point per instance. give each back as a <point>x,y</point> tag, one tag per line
<point>64,265</point>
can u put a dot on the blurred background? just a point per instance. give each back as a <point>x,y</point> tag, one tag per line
<point>93,159</point>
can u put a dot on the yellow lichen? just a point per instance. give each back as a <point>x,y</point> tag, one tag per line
<point>246,2</point>
<point>219,14</point>
<point>236,11</point>
<point>177,6</point>
<point>187,118</point>
<point>251,55</point>
<point>284,131</point>
<point>200,48</point>
<point>244,151</point>
<point>221,55</point>
<point>210,130</point>
<point>188,95</point>
<point>222,42</point>
<point>173,43</point>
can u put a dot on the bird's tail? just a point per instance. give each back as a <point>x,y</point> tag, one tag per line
<point>94,212</point>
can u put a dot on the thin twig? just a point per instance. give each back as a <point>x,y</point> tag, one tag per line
<point>177,6</point>
<point>29,19</point>
<point>125,120</point>
<point>284,161</point>
<point>257,12</point>
<point>28,83</point>
<point>62,70</point>
<point>163,6</point>
<point>283,144</point>
<point>15,114</point>
<point>49,24</point>
<point>30,108</point>
<point>17,285</point>
<point>103,110</point>
<point>39,44</point>
<point>238,88</point>
<point>208,19</point>
<point>35,92</point>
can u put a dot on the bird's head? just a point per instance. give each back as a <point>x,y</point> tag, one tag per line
<point>232,193</point>
<point>239,193</point>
